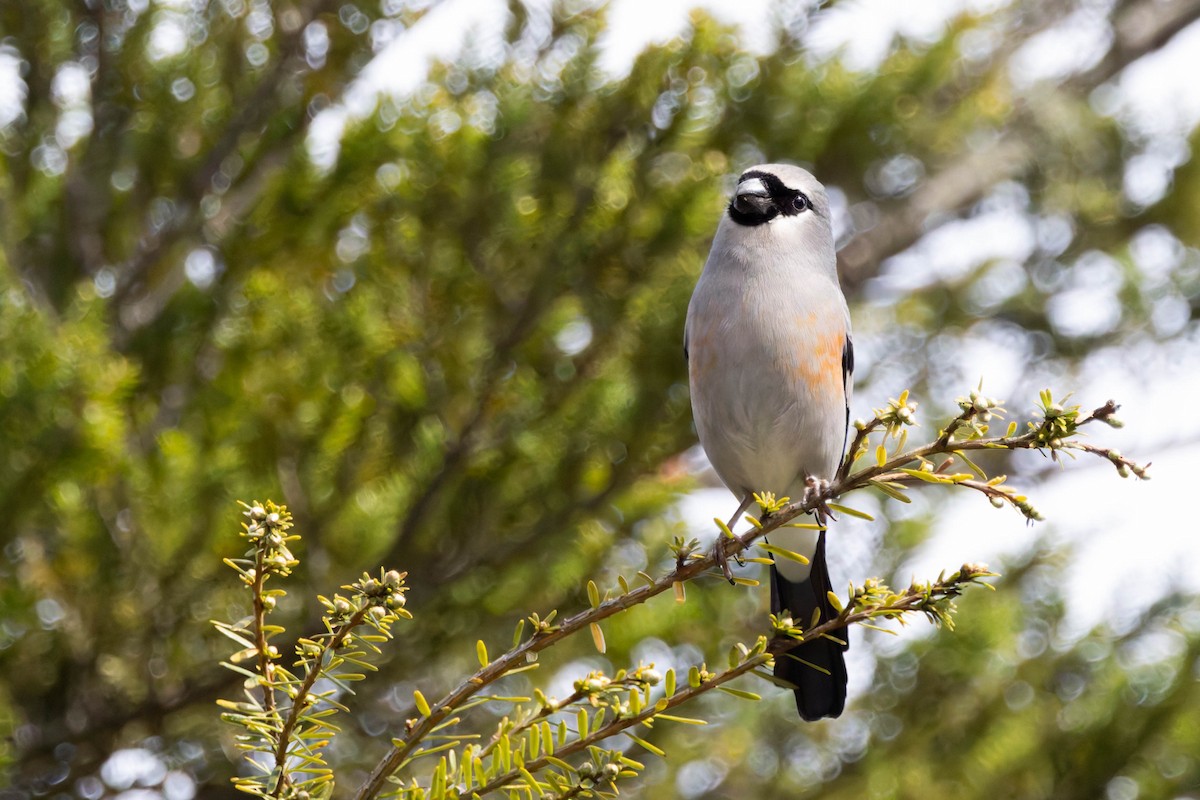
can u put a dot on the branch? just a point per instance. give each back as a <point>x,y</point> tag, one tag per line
<point>872,601</point>
<point>265,652</point>
<point>293,745</point>
<point>1053,433</point>
<point>300,699</point>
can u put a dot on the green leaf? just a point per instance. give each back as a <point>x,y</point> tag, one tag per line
<point>683,720</point>
<point>531,782</point>
<point>853,512</point>
<point>239,635</point>
<point>892,490</point>
<point>581,723</point>
<point>481,653</point>
<point>928,477</point>
<point>558,762</point>
<point>646,745</point>
<point>519,632</point>
<point>782,552</point>
<point>240,670</point>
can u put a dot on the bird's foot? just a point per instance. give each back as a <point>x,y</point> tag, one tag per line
<point>815,491</point>
<point>719,547</point>
<point>723,560</point>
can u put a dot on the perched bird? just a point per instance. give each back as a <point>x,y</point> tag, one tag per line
<point>769,363</point>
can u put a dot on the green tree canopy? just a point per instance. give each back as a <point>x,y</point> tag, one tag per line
<point>454,348</point>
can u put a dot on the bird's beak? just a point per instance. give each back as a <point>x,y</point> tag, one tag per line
<point>752,197</point>
<point>753,187</point>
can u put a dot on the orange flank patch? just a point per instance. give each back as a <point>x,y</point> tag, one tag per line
<point>822,365</point>
<point>700,355</point>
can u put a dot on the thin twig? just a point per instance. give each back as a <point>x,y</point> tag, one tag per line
<point>266,667</point>
<point>299,702</point>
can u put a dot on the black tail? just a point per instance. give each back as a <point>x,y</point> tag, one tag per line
<point>817,694</point>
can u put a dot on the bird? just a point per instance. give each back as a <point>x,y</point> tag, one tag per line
<point>770,363</point>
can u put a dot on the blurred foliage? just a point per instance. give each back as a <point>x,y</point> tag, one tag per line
<point>451,344</point>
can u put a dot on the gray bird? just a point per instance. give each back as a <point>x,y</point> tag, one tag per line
<point>769,363</point>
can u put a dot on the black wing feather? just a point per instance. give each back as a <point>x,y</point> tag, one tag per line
<point>847,377</point>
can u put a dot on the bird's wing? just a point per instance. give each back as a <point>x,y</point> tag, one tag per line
<point>847,381</point>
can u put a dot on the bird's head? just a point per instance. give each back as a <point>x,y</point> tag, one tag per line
<point>780,206</point>
<point>779,194</point>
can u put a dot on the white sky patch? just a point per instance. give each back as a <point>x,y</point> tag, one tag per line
<point>574,337</point>
<point>1156,95</point>
<point>71,92</point>
<point>404,62</point>
<point>1075,44</point>
<point>863,31</point>
<point>1085,311</point>
<point>953,250</point>
<point>168,37</point>
<point>402,65</point>
<point>634,24</point>
<point>1148,176</point>
<point>13,89</point>
<point>1127,554</point>
<point>1133,541</point>
<point>984,359</point>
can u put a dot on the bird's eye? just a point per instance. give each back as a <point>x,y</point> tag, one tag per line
<point>801,203</point>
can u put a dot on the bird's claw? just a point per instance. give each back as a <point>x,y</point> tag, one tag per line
<point>815,491</point>
<point>723,560</point>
